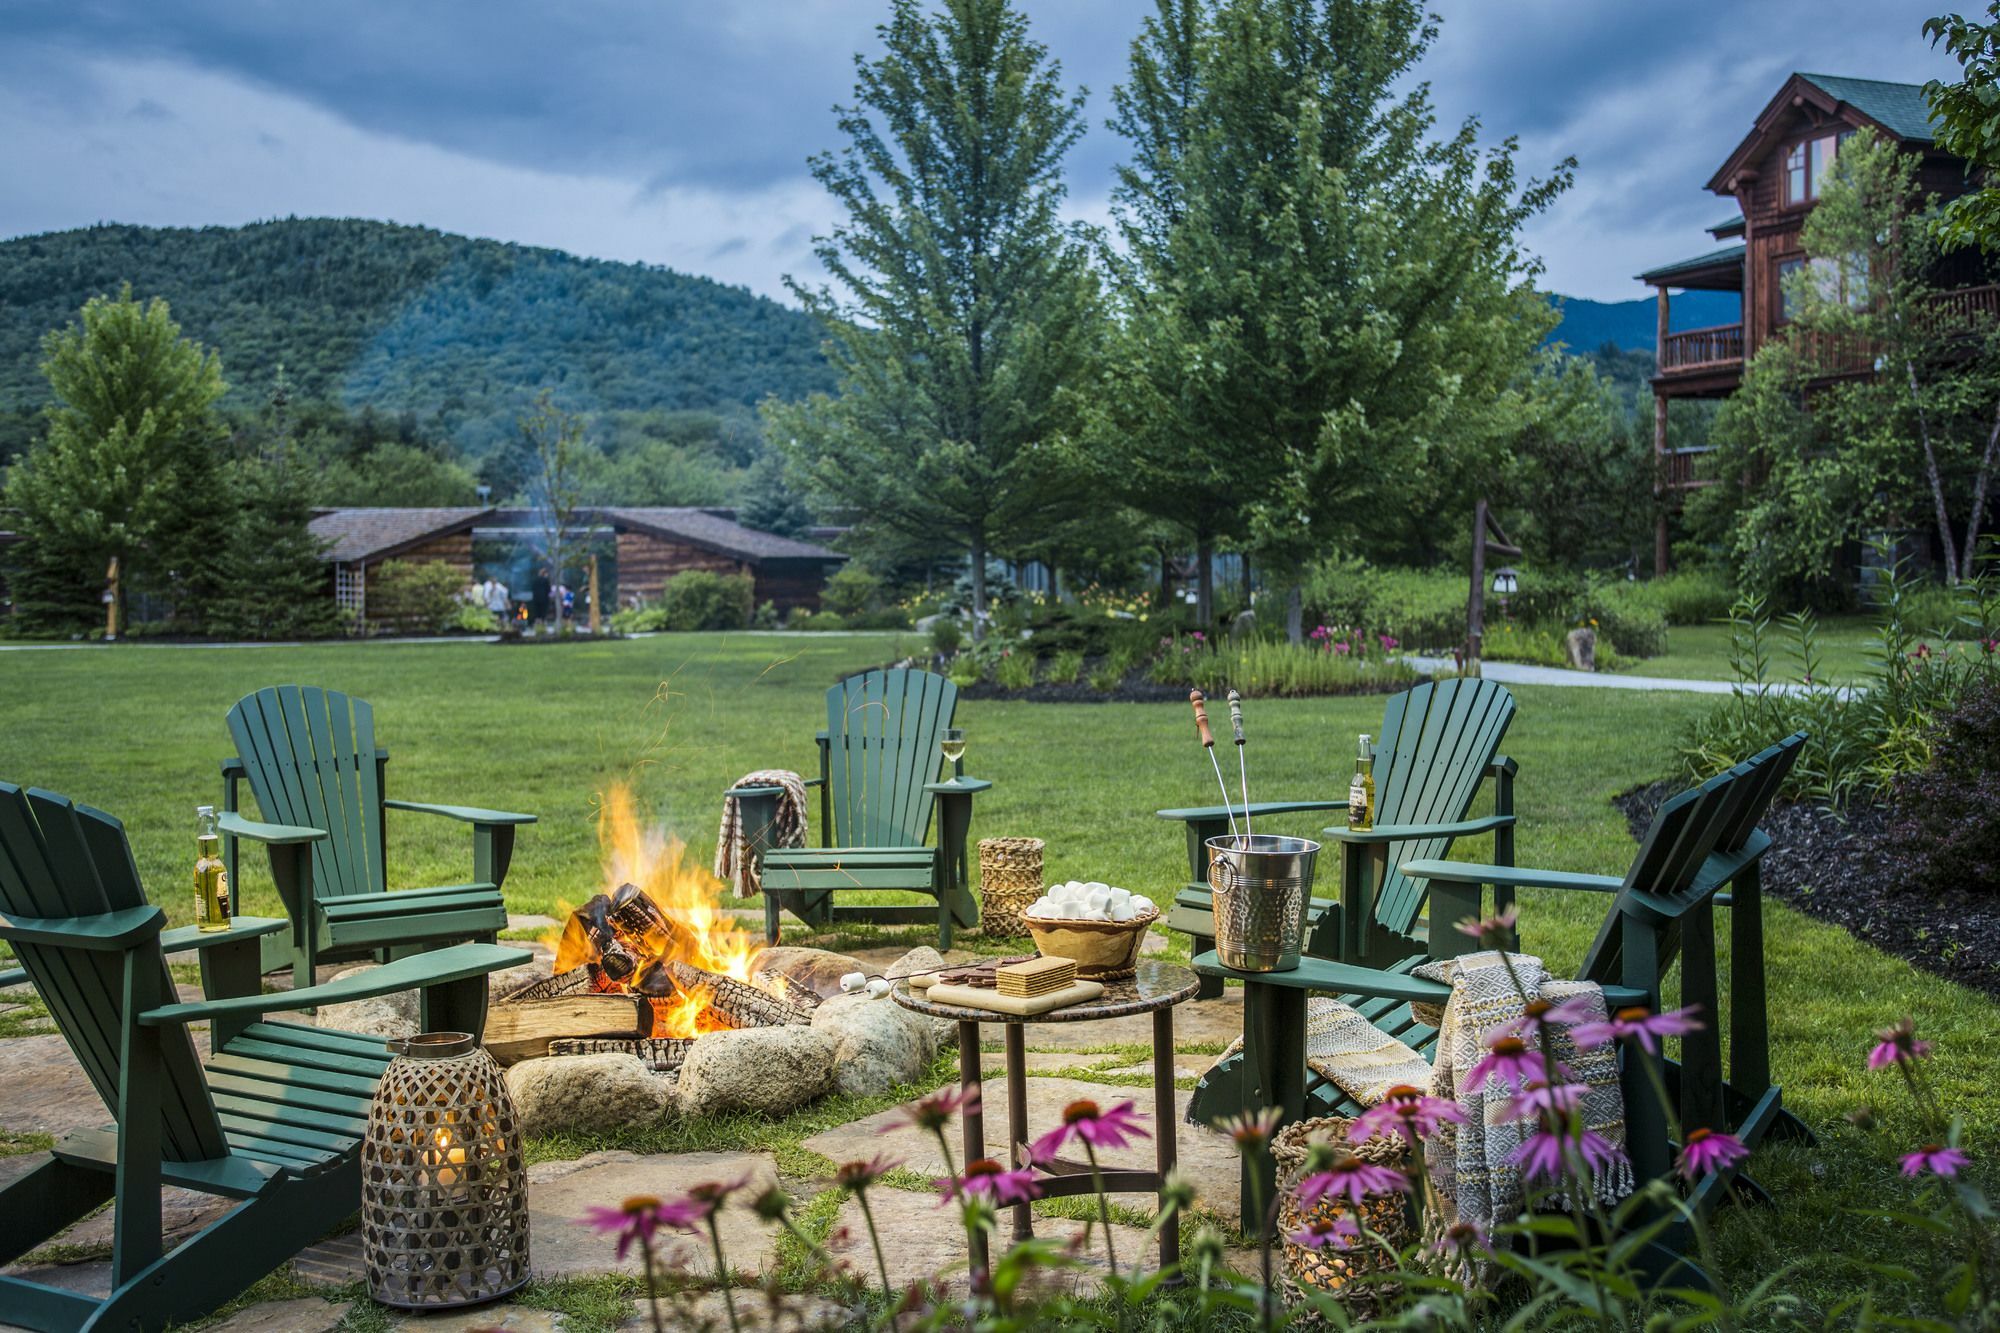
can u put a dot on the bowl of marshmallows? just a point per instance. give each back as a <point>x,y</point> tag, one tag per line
<point>1097,925</point>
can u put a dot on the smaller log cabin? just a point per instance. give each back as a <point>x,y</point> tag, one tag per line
<point>1773,178</point>
<point>638,550</point>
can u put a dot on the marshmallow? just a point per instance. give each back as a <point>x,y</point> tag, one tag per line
<point>1097,886</point>
<point>877,989</point>
<point>1097,899</point>
<point>1123,911</point>
<point>853,982</point>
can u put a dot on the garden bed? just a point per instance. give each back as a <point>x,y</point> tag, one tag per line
<point>1842,867</point>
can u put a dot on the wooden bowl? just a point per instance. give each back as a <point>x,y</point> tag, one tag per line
<point>1103,950</point>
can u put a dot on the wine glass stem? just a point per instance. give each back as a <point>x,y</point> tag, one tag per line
<point>958,768</point>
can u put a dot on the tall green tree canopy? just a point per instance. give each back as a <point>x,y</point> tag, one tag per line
<point>1965,117</point>
<point>961,302</point>
<point>1326,298</point>
<point>128,466</point>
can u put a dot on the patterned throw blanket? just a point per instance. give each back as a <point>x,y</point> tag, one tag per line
<point>1469,1164</point>
<point>733,863</point>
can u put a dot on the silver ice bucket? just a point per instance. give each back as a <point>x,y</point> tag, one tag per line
<point>1262,883</point>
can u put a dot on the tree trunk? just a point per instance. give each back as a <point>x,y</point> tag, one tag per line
<point>1968,566</point>
<point>1295,615</point>
<point>1937,481</point>
<point>1204,581</point>
<point>978,586</point>
<point>1166,590</point>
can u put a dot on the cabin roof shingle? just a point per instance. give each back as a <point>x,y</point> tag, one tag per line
<point>718,533</point>
<point>1728,255</point>
<point>374,534</point>
<point>1899,108</point>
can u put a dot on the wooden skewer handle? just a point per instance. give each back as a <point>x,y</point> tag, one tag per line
<point>1200,703</point>
<point>1236,715</point>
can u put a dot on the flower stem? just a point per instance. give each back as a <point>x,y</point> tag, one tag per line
<point>1266,1220</point>
<point>1103,1204</point>
<point>875,1239</point>
<point>722,1273</point>
<point>652,1282</point>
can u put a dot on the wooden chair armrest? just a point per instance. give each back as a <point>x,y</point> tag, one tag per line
<point>1193,813</point>
<point>814,782</point>
<point>465,814</point>
<point>1464,828</point>
<point>1321,974</point>
<point>966,785</point>
<point>1510,877</point>
<point>275,834</point>
<point>437,967</point>
<point>105,932</point>
<point>1502,767</point>
<point>754,792</point>
<point>183,938</point>
<point>15,976</point>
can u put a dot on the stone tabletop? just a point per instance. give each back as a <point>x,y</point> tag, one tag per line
<point>1155,985</point>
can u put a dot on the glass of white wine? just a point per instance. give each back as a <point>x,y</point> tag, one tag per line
<point>953,746</point>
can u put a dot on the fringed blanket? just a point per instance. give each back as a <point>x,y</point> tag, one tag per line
<point>733,863</point>
<point>1469,1163</point>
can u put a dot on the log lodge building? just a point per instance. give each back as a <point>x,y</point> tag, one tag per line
<point>1773,178</point>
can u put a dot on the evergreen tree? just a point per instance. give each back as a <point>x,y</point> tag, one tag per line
<point>964,302</point>
<point>277,584</point>
<point>769,505</point>
<point>128,468</point>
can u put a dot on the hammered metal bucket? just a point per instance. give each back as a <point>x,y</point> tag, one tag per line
<point>1262,883</point>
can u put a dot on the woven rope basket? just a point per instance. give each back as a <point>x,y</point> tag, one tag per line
<point>1010,878</point>
<point>1386,1215</point>
<point>444,1191</point>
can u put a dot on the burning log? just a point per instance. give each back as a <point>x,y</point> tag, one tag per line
<point>737,1003</point>
<point>521,1031</point>
<point>800,994</point>
<point>662,1055</point>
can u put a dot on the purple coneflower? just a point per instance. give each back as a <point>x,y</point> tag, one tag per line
<point>1251,1130</point>
<point>1642,1026</point>
<point>859,1175</point>
<point>987,1179</point>
<point>1462,1239</point>
<point>1898,1045</point>
<point>1539,1015</point>
<point>1086,1120</point>
<point>704,1199</point>
<point>1541,1098</point>
<point>934,1112</point>
<point>1708,1151</point>
<point>1935,1158</point>
<point>1541,1156</point>
<point>1509,1060</point>
<point>1353,1179</point>
<point>636,1219</point>
<point>1495,929</point>
<point>1320,1232</point>
<point>1406,1111</point>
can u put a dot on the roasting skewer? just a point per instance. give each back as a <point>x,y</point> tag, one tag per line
<point>1200,702</point>
<point>1242,770</point>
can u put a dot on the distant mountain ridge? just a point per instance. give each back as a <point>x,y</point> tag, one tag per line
<point>459,331</point>
<point>1633,325</point>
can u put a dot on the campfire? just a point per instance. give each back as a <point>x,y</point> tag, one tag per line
<point>648,964</point>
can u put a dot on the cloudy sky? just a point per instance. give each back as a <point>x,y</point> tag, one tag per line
<point>676,131</point>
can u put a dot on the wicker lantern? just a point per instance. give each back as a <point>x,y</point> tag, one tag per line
<point>444,1201</point>
<point>1387,1215</point>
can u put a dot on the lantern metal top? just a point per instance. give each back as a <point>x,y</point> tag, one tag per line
<point>434,1045</point>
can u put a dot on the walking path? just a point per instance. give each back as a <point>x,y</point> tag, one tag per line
<point>1520,673</point>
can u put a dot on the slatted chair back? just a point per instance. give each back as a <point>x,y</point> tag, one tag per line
<point>1436,744</point>
<point>309,755</point>
<point>1768,770</point>
<point>882,733</point>
<point>59,859</point>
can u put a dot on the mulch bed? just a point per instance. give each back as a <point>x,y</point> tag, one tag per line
<point>1843,867</point>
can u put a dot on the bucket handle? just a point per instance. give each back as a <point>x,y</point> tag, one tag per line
<point>1219,870</point>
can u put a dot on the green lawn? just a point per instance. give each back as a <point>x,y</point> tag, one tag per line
<point>138,731</point>
<point>1701,652</point>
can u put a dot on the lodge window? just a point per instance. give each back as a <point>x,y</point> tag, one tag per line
<point>1832,280</point>
<point>1786,304</point>
<point>1806,165</point>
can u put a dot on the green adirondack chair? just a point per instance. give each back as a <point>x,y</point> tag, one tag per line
<point>274,1120</point>
<point>1662,910</point>
<point>1437,742</point>
<point>310,758</point>
<point>877,757</point>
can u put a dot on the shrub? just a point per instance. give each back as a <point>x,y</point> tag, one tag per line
<point>470,618</point>
<point>964,671</point>
<point>946,635</point>
<point>1065,668</point>
<point>882,617</point>
<point>803,619</point>
<point>1945,811</point>
<point>1260,667</point>
<point>851,590</point>
<point>1684,597</point>
<point>1111,672</point>
<point>648,619</point>
<point>699,599</point>
<point>1015,670</point>
<point>766,617</point>
<point>415,596</point>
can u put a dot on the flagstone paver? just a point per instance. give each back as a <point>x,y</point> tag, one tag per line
<point>333,1262</point>
<point>512,1318</point>
<point>558,1193</point>
<point>307,1314</point>
<point>1186,1066</point>
<point>1207,1158</point>
<point>921,1242</point>
<point>755,1311</point>
<point>43,1089</point>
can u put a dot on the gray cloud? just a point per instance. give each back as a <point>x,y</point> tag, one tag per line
<point>676,132</point>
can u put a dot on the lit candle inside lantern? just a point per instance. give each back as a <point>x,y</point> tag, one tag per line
<point>449,1157</point>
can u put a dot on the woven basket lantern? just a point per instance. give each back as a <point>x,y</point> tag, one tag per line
<point>1010,878</point>
<point>444,1192</point>
<point>1387,1215</point>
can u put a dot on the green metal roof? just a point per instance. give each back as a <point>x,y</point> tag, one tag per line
<point>1733,227</point>
<point>1730,254</point>
<point>1900,107</point>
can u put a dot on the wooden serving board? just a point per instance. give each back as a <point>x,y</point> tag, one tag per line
<point>1018,1006</point>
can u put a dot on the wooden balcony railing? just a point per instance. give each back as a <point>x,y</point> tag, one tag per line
<point>1677,469</point>
<point>1700,349</point>
<point>1967,306</point>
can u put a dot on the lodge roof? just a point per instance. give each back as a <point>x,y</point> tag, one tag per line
<point>1899,108</point>
<point>378,534</point>
<point>706,528</point>
<point>1724,261</point>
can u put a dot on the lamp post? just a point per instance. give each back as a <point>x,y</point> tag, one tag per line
<point>1486,536</point>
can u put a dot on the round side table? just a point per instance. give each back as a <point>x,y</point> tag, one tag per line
<point>1155,988</point>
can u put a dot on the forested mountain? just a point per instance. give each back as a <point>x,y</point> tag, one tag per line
<point>1634,325</point>
<point>406,320</point>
